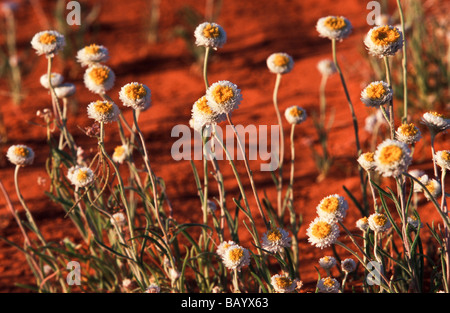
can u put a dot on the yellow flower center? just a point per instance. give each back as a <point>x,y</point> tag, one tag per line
<point>430,187</point>
<point>326,259</point>
<point>135,91</point>
<point>236,254</point>
<point>283,282</point>
<point>368,156</point>
<point>364,220</point>
<point>211,31</point>
<point>119,151</point>
<point>330,205</point>
<point>222,94</point>
<point>437,114</point>
<point>47,39</point>
<point>280,60</point>
<point>21,151</point>
<point>384,36</point>
<point>321,229</point>
<point>99,75</point>
<point>328,282</point>
<point>445,155</point>
<point>334,23</point>
<point>296,112</point>
<point>103,107</point>
<point>92,49</point>
<point>390,154</point>
<point>380,219</point>
<point>375,91</point>
<point>202,106</point>
<point>409,129</point>
<point>274,235</point>
<point>82,175</point>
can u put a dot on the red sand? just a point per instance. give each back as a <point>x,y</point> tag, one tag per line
<point>254,31</point>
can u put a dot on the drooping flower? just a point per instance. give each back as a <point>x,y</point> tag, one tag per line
<point>275,240</point>
<point>48,43</point>
<point>236,257</point>
<point>327,262</point>
<point>376,94</point>
<point>65,90</point>
<point>223,97</point>
<point>334,27</point>
<point>392,158</point>
<point>443,159</point>
<point>436,122</point>
<point>322,233</point>
<point>56,80</point>
<point>99,78</point>
<point>333,208</point>
<point>136,96</point>
<point>80,176</point>
<point>326,67</point>
<point>367,161</point>
<point>383,41</point>
<point>20,155</point>
<point>203,115</point>
<point>92,55</point>
<point>103,111</point>
<point>328,285</point>
<point>433,187</point>
<point>283,284</point>
<point>348,265</point>
<point>363,223</point>
<point>280,63</point>
<point>379,222</point>
<point>120,153</point>
<point>408,133</point>
<point>295,115</point>
<point>210,35</point>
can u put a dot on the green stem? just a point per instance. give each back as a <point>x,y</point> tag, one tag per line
<point>205,67</point>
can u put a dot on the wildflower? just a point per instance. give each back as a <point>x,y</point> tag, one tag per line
<point>224,246</point>
<point>129,284</point>
<point>374,120</point>
<point>363,223</point>
<point>153,288</point>
<point>48,43</point>
<point>275,240</point>
<point>383,19</point>
<point>236,257</point>
<point>280,63</point>
<point>408,133</point>
<point>295,115</point>
<point>65,90</point>
<point>383,41</point>
<point>203,115</point>
<point>210,35</point>
<point>328,285</point>
<point>435,122</point>
<point>348,265</point>
<point>443,159</point>
<point>423,179</point>
<point>99,78</point>
<point>120,153</point>
<point>414,222</point>
<point>119,219</point>
<point>20,155</point>
<point>212,207</point>
<point>367,161</point>
<point>223,97</point>
<point>334,27</point>
<point>378,222</point>
<point>333,207</point>
<point>174,274</point>
<point>376,94</point>
<point>92,54</point>
<point>433,187</point>
<point>322,233</point>
<point>327,262</point>
<point>136,96</point>
<point>103,111</point>
<point>392,158</point>
<point>326,67</point>
<point>283,284</point>
<point>80,176</point>
<point>56,80</point>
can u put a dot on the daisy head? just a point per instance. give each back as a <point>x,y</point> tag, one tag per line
<point>119,219</point>
<point>103,111</point>
<point>92,54</point>
<point>280,63</point>
<point>65,90</point>
<point>367,161</point>
<point>423,179</point>
<point>376,94</point>
<point>328,285</point>
<point>224,246</point>
<point>363,223</point>
<point>275,240</point>
<point>136,96</point>
<point>392,158</point>
<point>326,67</point>
<point>348,265</point>
<point>20,155</point>
<point>56,79</point>
<point>434,189</point>
<point>383,41</point>
<point>414,222</point>
<point>236,257</point>
<point>322,233</point>
<point>80,176</point>
<point>443,159</point>
<point>203,115</point>
<point>333,207</point>
<point>283,284</point>
<point>334,27</point>
<point>48,43</point>
<point>120,153</point>
<point>327,262</point>
<point>210,35</point>
<point>295,115</point>
<point>379,222</point>
<point>99,78</point>
<point>436,122</point>
<point>408,133</point>
<point>223,97</point>
<point>153,288</point>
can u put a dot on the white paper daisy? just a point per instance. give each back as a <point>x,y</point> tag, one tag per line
<point>92,55</point>
<point>80,176</point>
<point>326,67</point>
<point>295,114</point>
<point>443,159</point>
<point>99,78</point>
<point>203,115</point>
<point>210,35</point>
<point>283,284</point>
<point>379,222</point>
<point>363,223</point>
<point>120,153</point>
<point>435,122</point>
<point>65,90</point>
<point>275,240</point>
<point>223,97</point>
<point>236,257</point>
<point>334,27</point>
<point>348,265</point>
<point>280,63</point>
<point>103,111</point>
<point>376,94</point>
<point>56,80</point>
<point>224,246</point>
<point>327,262</point>
<point>333,208</point>
<point>328,285</point>
<point>408,133</point>
<point>322,233</point>
<point>20,155</point>
<point>434,188</point>
<point>367,161</point>
<point>135,95</point>
<point>48,43</point>
<point>383,41</point>
<point>119,219</point>
<point>392,158</point>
